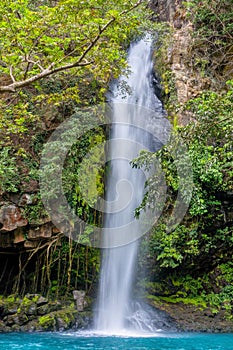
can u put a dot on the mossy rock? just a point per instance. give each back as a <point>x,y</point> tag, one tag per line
<point>28,307</point>
<point>26,301</point>
<point>84,319</point>
<point>65,319</point>
<point>4,328</point>
<point>47,322</point>
<point>9,305</point>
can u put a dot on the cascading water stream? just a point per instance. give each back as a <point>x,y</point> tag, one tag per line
<point>125,189</point>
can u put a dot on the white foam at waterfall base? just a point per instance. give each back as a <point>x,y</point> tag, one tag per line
<point>114,312</point>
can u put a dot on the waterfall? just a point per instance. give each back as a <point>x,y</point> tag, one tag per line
<point>125,190</point>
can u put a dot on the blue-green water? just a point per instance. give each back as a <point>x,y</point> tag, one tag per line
<point>161,341</point>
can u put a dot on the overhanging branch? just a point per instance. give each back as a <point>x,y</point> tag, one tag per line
<point>81,62</point>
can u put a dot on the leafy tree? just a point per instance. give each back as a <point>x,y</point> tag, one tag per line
<point>40,41</point>
<point>56,55</point>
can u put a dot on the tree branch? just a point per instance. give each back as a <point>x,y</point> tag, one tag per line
<point>11,74</point>
<point>81,62</point>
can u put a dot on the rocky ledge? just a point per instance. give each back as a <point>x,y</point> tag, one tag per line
<point>36,313</point>
<point>194,318</point>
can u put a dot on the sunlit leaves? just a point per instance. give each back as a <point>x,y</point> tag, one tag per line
<point>35,38</point>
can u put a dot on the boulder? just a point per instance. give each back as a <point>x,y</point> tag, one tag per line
<point>43,310</point>
<point>47,322</point>
<point>20,318</point>
<point>4,328</point>
<point>41,301</point>
<point>80,298</point>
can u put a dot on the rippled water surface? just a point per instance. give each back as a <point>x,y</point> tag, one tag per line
<point>160,341</point>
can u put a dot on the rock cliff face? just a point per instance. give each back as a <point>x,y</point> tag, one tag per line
<point>22,240</point>
<point>188,83</point>
<point>15,231</point>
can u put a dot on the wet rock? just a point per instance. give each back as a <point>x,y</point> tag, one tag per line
<point>20,319</point>
<point>15,328</point>
<point>83,320</point>
<point>25,199</point>
<point>79,297</point>
<point>31,326</point>
<point>62,324</point>
<point>35,313</point>
<point>11,310</point>
<point>11,218</point>
<point>47,322</point>
<point>65,320</point>
<point>4,328</point>
<point>9,305</point>
<point>191,318</point>
<point>42,310</point>
<point>31,310</point>
<point>9,320</point>
<point>41,301</point>
<point>54,306</point>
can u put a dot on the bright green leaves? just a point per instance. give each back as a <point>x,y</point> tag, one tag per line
<point>211,138</point>
<point>83,175</point>
<point>69,34</point>
<point>53,53</point>
<point>172,248</point>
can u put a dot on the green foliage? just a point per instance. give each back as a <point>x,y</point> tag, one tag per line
<point>34,212</point>
<point>59,55</point>
<point>213,33</point>
<point>209,148</point>
<point>171,248</point>
<point>83,172</point>
<point>69,34</point>
<point>9,178</point>
<point>194,291</point>
<point>227,272</point>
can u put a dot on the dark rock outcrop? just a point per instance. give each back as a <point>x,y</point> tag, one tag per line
<point>36,313</point>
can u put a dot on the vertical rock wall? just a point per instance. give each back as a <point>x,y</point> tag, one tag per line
<point>188,83</point>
